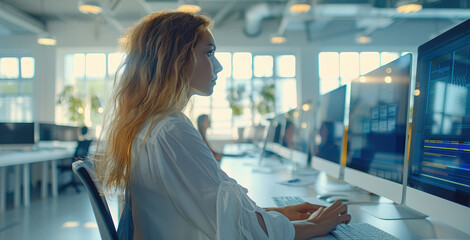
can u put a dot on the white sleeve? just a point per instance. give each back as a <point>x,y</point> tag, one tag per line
<point>236,217</point>
<point>204,195</point>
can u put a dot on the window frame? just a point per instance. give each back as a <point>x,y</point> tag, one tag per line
<point>27,108</point>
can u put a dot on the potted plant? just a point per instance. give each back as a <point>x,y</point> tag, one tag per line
<point>76,106</point>
<point>235,98</point>
<point>266,103</point>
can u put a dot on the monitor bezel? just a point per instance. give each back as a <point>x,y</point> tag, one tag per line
<point>330,168</point>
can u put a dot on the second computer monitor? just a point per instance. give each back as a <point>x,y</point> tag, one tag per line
<point>328,132</point>
<point>378,120</point>
<point>54,132</point>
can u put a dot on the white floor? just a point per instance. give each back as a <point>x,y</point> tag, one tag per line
<point>68,216</point>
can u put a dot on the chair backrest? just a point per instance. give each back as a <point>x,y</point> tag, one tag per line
<point>81,152</point>
<point>85,171</point>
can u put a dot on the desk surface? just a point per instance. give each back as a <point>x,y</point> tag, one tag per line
<point>9,158</point>
<point>263,186</point>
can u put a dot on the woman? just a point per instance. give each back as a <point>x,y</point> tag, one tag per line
<point>203,123</point>
<point>174,187</point>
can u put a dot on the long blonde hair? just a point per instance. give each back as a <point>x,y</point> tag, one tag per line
<point>155,81</point>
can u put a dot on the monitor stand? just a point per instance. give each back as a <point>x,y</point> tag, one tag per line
<point>393,212</point>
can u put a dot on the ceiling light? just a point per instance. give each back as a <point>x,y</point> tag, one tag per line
<point>90,225</point>
<point>87,6</point>
<point>408,6</point>
<point>300,6</point>
<point>189,6</point>
<point>363,39</point>
<point>46,40</point>
<point>70,224</point>
<point>306,106</point>
<point>278,39</point>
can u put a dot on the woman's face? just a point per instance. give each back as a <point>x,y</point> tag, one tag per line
<point>207,66</point>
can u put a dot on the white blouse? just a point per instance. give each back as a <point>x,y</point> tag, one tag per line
<point>178,191</point>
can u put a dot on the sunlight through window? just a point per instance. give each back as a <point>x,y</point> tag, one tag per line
<point>9,67</point>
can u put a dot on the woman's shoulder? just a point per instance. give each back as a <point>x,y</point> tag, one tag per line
<point>177,119</point>
<point>174,122</point>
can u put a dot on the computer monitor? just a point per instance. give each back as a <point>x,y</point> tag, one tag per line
<point>54,132</point>
<point>17,135</point>
<point>272,137</point>
<point>439,169</point>
<point>328,132</point>
<point>260,135</point>
<point>67,133</point>
<point>47,132</point>
<point>297,135</point>
<point>378,121</point>
<point>278,142</point>
<point>254,135</point>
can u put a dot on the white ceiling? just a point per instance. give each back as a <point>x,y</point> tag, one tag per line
<point>20,17</point>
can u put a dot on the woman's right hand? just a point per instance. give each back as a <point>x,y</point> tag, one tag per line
<point>322,221</point>
<point>328,218</point>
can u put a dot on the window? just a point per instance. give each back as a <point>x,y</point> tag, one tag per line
<point>244,77</point>
<point>339,68</point>
<point>16,89</point>
<point>91,75</point>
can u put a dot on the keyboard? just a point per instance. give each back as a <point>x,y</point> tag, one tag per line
<point>287,200</point>
<point>360,231</point>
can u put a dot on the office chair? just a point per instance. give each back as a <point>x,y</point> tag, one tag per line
<point>85,171</point>
<point>81,152</point>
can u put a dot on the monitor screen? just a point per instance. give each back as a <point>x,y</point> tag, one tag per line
<point>274,133</point>
<point>16,133</point>
<point>47,132</point>
<point>54,132</point>
<point>281,140</point>
<point>328,132</point>
<point>254,134</point>
<point>297,134</point>
<point>377,129</point>
<point>298,128</point>
<point>439,170</point>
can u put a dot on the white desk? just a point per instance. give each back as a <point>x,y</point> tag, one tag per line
<point>23,160</point>
<point>263,186</point>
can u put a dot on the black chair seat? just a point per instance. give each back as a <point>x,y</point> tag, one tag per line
<point>81,152</point>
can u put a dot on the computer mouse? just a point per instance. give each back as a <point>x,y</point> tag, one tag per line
<point>332,199</point>
<point>328,195</point>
